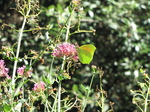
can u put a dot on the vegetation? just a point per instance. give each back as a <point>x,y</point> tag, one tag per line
<point>42,49</point>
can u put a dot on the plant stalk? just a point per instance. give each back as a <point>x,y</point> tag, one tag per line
<point>59,86</point>
<point>59,96</point>
<point>64,61</point>
<point>85,102</point>
<point>19,44</point>
<point>146,99</point>
<point>102,95</point>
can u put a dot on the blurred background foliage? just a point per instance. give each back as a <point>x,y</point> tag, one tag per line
<point>122,38</point>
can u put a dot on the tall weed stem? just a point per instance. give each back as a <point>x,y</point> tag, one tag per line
<point>147,96</point>
<point>102,94</point>
<point>88,92</point>
<point>68,26</point>
<point>59,96</point>
<point>64,60</point>
<point>19,43</point>
<point>59,85</point>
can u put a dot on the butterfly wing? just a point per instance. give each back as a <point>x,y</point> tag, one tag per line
<point>85,53</point>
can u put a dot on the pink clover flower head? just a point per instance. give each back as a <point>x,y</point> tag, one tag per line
<point>21,72</point>
<point>3,71</point>
<point>66,49</point>
<point>38,87</point>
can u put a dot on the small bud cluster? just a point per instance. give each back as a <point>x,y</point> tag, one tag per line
<point>38,87</point>
<point>3,71</point>
<point>21,71</point>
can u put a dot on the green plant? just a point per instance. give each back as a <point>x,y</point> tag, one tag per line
<point>141,97</point>
<point>20,97</point>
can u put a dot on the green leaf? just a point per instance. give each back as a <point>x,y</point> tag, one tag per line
<point>7,108</point>
<point>86,89</point>
<point>47,80</point>
<point>141,70</point>
<point>85,53</point>
<point>75,87</point>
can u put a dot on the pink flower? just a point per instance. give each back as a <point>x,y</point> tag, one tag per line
<point>66,49</point>
<point>3,71</point>
<point>40,86</point>
<point>21,71</point>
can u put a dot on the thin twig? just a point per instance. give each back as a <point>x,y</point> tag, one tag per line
<point>71,106</point>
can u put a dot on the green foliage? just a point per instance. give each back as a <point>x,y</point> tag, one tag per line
<point>121,38</point>
<point>7,108</point>
<point>122,41</point>
<point>141,97</point>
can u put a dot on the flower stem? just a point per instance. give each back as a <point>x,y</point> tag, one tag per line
<point>68,26</point>
<point>64,61</point>
<point>85,102</point>
<point>59,96</point>
<point>59,85</point>
<point>50,71</point>
<point>18,50</point>
<point>19,44</point>
<point>102,95</point>
<point>146,99</point>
